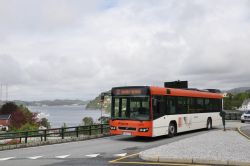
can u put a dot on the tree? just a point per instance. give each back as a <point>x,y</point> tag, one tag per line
<point>8,108</point>
<point>31,117</point>
<point>20,115</point>
<point>17,120</point>
<point>87,120</point>
<point>45,123</point>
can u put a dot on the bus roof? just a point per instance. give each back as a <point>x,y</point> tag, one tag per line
<point>153,90</point>
<point>183,92</point>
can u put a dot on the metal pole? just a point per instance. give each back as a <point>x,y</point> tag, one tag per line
<point>77,131</point>
<point>1,92</point>
<point>62,132</point>
<point>102,101</point>
<point>101,112</point>
<point>45,135</point>
<point>6,93</point>
<point>26,137</point>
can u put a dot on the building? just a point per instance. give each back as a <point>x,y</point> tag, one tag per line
<point>225,94</point>
<point>245,105</point>
<point>4,122</point>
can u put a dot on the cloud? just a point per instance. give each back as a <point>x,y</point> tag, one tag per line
<point>76,49</point>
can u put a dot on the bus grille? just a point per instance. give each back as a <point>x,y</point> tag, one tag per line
<point>127,128</point>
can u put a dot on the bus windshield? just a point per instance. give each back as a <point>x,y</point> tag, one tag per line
<point>130,108</point>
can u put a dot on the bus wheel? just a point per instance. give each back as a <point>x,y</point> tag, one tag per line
<point>171,130</point>
<point>209,124</point>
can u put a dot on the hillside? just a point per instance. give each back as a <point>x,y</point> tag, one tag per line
<point>238,90</point>
<point>50,102</point>
<point>96,103</point>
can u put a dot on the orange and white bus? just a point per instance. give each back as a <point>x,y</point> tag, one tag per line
<point>154,111</point>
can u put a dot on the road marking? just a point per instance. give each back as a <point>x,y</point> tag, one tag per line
<point>63,156</point>
<point>120,155</point>
<point>34,157</point>
<point>7,158</point>
<point>116,160</point>
<point>92,155</point>
<point>119,161</point>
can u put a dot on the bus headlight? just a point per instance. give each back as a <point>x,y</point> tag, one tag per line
<point>112,128</point>
<point>143,129</point>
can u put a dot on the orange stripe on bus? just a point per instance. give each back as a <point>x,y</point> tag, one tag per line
<point>183,92</point>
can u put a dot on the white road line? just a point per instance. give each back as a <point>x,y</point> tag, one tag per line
<point>34,157</point>
<point>120,155</point>
<point>92,155</point>
<point>63,156</point>
<point>7,158</point>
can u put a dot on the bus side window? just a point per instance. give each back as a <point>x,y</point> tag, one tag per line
<point>200,105</point>
<point>206,104</point>
<point>181,105</point>
<point>155,108</point>
<point>191,105</point>
<point>171,106</point>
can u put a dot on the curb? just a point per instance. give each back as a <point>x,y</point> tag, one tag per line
<point>164,159</point>
<point>242,133</point>
<point>51,142</point>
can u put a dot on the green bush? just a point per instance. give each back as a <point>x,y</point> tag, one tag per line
<point>28,127</point>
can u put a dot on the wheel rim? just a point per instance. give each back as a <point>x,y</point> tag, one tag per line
<point>172,129</point>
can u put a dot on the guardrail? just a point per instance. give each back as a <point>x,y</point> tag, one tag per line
<point>233,115</point>
<point>56,133</point>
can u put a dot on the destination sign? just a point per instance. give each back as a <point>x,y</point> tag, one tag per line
<point>129,91</point>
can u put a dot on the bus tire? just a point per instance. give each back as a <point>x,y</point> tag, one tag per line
<point>242,121</point>
<point>171,130</point>
<point>209,124</point>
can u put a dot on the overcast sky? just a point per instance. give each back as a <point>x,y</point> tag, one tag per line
<point>74,49</point>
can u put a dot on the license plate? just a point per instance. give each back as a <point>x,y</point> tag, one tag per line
<point>126,133</point>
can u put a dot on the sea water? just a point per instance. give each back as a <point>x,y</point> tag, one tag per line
<point>71,115</point>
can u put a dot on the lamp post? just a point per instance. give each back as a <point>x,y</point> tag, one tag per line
<point>102,101</point>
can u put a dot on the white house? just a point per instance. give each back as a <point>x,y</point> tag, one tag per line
<point>245,105</point>
<point>225,94</point>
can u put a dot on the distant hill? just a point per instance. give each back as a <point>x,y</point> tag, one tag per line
<point>95,104</point>
<point>50,102</point>
<point>239,90</point>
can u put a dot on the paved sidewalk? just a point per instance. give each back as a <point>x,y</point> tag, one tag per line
<point>214,147</point>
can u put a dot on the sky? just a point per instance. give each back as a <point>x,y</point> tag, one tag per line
<point>74,49</point>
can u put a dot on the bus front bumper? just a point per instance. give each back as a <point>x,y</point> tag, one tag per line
<point>131,128</point>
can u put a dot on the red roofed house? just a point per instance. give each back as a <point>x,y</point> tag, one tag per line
<point>4,122</point>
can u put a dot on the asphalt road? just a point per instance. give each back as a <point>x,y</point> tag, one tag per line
<point>90,152</point>
<point>246,129</point>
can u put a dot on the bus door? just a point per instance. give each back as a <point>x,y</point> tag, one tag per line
<point>159,120</point>
<point>195,108</point>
